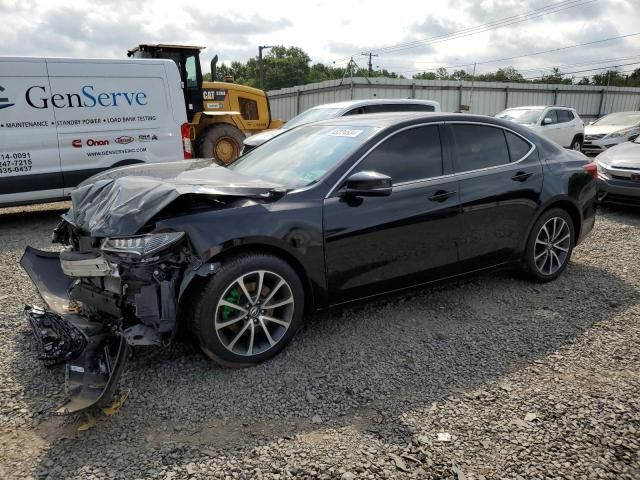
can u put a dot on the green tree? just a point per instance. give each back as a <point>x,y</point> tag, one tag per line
<point>283,67</point>
<point>425,76</point>
<point>556,76</point>
<point>634,78</point>
<point>610,77</point>
<point>508,74</point>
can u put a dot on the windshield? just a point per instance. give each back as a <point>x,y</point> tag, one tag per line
<point>521,115</point>
<point>299,157</point>
<point>620,118</point>
<point>312,115</point>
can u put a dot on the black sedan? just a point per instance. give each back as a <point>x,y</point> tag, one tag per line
<point>323,214</point>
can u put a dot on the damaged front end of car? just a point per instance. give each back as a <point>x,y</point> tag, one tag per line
<point>103,297</point>
<point>119,280</point>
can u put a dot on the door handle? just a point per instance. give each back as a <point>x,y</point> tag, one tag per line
<point>521,176</point>
<point>441,196</point>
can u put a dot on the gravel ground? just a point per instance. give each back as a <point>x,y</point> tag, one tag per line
<point>490,378</point>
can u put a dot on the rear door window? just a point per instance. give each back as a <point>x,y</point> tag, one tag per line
<point>518,147</point>
<point>410,155</point>
<point>563,116</point>
<point>478,146</point>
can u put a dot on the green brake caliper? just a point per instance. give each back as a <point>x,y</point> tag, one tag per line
<point>233,297</point>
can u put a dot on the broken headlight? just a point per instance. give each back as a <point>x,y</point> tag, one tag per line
<point>141,245</point>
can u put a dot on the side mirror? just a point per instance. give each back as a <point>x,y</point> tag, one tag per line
<point>367,184</point>
<point>546,121</point>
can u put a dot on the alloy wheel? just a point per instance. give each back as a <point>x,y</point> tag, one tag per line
<point>552,246</point>
<point>254,313</point>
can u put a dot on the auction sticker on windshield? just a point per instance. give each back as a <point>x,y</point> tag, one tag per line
<point>344,132</point>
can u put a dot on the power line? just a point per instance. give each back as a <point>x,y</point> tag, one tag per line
<point>550,67</point>
<point>531,54</point>
<point>607,67</point>
<point>596,62</point>
<point>519,18</point>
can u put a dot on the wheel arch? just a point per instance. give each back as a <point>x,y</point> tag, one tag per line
<point>269,249</point>
<point>566,204</point>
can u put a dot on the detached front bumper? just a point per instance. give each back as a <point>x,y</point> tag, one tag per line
<point>95,353</point>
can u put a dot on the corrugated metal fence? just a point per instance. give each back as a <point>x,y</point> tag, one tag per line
<point>486,98</point>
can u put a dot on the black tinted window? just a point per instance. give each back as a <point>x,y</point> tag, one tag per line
<point>518,148</point>
<point>563,116</point>
<point>399,107</point>
<point>357,111</point>
<point>409,155</point>
<point>479,146</point>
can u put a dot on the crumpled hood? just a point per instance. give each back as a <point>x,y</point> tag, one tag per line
<point>625,155</point>
<point>121,201</point>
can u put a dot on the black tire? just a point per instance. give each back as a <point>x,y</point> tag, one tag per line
<point>222,142</point>
<point>576,143</point>
<point>207,313</point>
<point>534,253</point>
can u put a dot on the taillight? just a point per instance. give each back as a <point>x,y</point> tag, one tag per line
<point>186,141</point>
<point>591,169</point>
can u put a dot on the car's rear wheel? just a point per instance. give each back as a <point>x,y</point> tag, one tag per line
<point>549,246</point>
<point>576,144</point>
<point>249,310</point>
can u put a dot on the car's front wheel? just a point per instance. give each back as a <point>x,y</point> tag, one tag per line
<point>549,246</point>
<point>249,310</point>
<point>576,144</point>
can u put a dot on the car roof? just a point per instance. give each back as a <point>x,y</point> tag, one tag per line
<point>376,101</point>
<point>628,112</point>
<point>384,120</point>
<point>540,107</point>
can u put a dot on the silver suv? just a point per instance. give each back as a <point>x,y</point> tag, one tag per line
<point>353,107</point>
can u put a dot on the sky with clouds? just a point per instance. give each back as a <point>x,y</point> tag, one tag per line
<point>331,30</point>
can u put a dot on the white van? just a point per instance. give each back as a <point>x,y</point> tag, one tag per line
<point>63,120</point>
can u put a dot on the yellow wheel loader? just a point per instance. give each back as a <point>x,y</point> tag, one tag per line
<point>220,114</point>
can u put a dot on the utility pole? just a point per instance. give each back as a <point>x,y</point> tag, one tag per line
<point>260,66</point>
<point>370,54</point>
<point>349,70</point>
<point>473,79</point>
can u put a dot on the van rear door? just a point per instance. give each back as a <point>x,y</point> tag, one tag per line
<point>29,157</point>
<point>111,113</point>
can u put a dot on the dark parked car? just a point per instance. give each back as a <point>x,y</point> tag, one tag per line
<point>321,215</point>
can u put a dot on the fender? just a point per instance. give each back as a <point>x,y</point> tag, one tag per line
<point>212,259</point>
<point>558,199</point>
